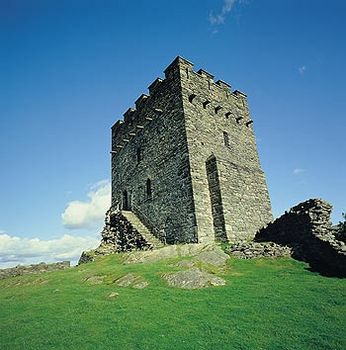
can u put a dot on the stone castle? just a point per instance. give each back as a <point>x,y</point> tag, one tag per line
<point>185,162</point>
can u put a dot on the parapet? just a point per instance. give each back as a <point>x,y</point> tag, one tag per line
<point>147,106</point>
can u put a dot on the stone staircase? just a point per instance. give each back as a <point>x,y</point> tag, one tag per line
<point>142,229</point>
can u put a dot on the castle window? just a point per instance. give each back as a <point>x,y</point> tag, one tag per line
<point>149,192</point>
<point>191,97</point>
<point>217,108</point>
<point>205,104</point>
<point>139,155</point>
<point>226,138</point>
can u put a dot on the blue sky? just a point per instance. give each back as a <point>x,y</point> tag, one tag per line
<point>70,69</point>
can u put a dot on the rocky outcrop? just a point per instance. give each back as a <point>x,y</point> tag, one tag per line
<point>118,235</point>
<point>33,268</point>
<point>193,279</point>
<point>307,230</point>
<point>210,254</point>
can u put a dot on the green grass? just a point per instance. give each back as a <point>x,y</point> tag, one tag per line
<point>266,304</point>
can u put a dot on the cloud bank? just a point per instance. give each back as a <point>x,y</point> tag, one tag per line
<point>90,213</point>
<point>16,250</point>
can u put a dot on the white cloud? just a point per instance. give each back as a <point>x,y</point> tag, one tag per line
<point>219,18</point>
<point>90,213</point>
<point>16,250</point>
<point>298,171</point>
<point>302,70</point>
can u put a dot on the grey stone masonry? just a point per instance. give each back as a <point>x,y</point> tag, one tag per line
<point>185,161</point>
<point>307,229</point>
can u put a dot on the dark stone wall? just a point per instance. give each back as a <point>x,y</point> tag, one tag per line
<point>156,128</point>
<point>118,235</point>
<point>307,229</point>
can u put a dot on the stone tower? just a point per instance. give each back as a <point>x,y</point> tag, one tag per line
<point>185,161</point>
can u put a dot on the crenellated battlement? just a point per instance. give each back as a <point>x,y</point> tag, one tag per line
<point>185,157</point>
<point>200,89</point>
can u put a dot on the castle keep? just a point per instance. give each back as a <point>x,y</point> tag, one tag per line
<point>185,162</point>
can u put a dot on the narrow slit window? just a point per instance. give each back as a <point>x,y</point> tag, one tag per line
<point>139,155</point>
<point>226,138</point>
<point>149,190</point>
<point>191,97</point>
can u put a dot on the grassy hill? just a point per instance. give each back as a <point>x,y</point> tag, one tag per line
<point>266,304</point>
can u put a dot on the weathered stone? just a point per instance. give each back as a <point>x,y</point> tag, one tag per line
<point>185,161</point>
<point>95,279</point>
<point>131,280</point>
<point>33,268</point>
<point>185,263</point>
<point>307,230</point>
<point>113,295</point>
<point>192,279</point>
<point>216,257</point>
<point>141,285</point>
<point>174,251</point>
<point>251,250</point>
<point>118,235</point>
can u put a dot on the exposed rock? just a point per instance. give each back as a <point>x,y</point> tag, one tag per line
<point>33,268</point>
<point>113,295</point>
<point>185,263</point>
<point>141,285</point>
<point>210,253</point>
<point>192,279</point>
<point>95,279</point>
<point>216,257</point>
<point>131,280</point>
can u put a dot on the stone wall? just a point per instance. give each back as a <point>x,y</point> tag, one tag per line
<point>33,268</point>
<point>160,153</point>
<point>118,235</point>
<point>307,229</point>
<point>219,125</point>
<point>150,146</point>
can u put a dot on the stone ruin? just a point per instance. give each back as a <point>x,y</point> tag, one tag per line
<point>304,232</point>
<point>118,235</point>
<point>307,230</point>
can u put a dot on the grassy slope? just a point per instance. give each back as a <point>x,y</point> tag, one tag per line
<point>266,304</point>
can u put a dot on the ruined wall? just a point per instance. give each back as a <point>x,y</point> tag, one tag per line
<point>307,229</point>
<point>150,145</point>
<point>218,124</point>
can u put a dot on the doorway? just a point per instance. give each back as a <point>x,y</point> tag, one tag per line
<point>216,199</point>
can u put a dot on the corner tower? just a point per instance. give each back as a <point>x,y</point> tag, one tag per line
<point>185,161</point>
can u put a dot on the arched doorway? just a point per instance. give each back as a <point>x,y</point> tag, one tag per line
<point>216,199</point>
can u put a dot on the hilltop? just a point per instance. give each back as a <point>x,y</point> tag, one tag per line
<point>124,301</point>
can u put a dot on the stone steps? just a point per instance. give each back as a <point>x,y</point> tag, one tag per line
<point>142,229</point>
